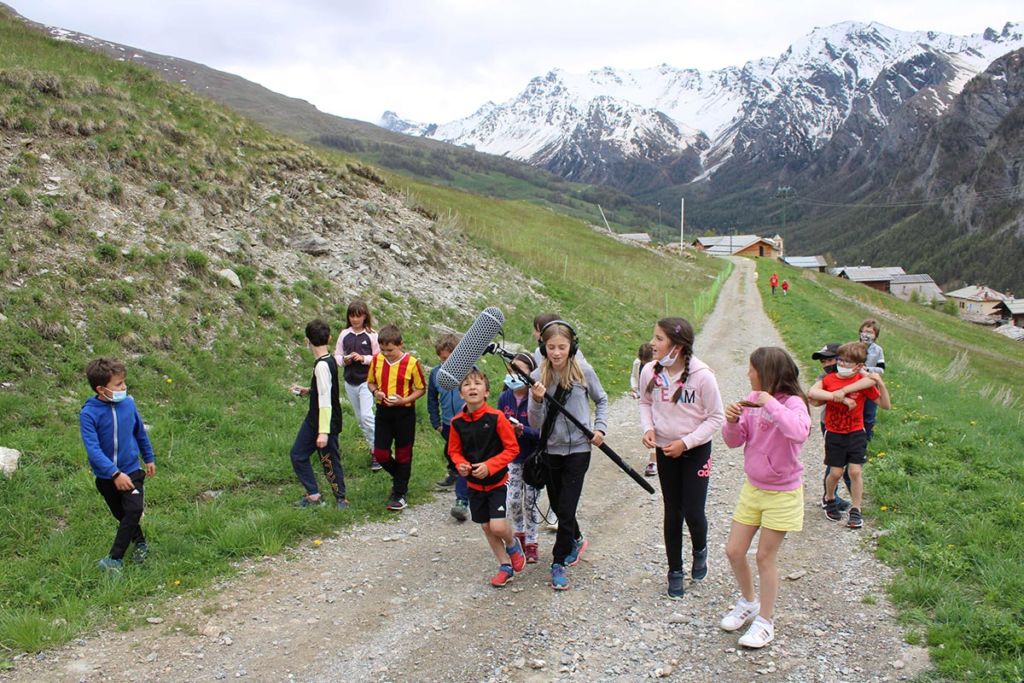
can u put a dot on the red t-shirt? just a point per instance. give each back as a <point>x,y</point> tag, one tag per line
<point>838,418</point>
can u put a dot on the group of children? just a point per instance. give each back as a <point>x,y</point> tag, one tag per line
<point>680,410</point>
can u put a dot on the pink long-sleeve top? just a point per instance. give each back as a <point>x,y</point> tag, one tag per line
<point>774,435</point>
<point>694,417</point>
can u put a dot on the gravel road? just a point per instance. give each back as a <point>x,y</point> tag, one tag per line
<point>408,599</point>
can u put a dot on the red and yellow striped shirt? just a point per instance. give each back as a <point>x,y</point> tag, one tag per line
<point>400,378</point>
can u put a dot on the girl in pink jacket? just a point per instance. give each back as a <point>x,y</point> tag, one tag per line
<point>772,424</point>
<point>680,410</point>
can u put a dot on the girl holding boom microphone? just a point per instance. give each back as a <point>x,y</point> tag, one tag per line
<point>562,378</point>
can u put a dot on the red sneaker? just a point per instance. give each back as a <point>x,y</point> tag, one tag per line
<point>504,575</point>
<point>530,550</point>
<point>516,556</point>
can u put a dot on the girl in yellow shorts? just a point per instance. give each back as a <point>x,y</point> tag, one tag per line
<point>771,423</point>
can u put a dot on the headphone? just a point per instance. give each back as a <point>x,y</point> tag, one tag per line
<point>574,341</point>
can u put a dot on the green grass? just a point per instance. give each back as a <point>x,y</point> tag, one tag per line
<point>945,477</point>
<point>209,365</point>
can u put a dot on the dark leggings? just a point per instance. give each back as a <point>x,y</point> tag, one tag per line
<point>684,488</point>
<point>564,490</point>
<point>126,506</point>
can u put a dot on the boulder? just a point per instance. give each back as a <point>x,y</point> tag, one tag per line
<point>314,245</point>
<point>231,276</point>
<point>9,461</point>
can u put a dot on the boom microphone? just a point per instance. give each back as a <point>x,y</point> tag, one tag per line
<point>470,349</point>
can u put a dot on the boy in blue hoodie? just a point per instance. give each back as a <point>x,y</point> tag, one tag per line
<point>114,437</point>
<point>442,406</point>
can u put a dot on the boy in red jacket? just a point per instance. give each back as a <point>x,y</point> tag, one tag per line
<point>482,443</point>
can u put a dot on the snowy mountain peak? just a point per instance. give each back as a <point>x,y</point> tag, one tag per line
<point>769,109</point>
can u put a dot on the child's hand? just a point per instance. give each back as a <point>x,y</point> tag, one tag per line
<point>733,411</point>
<point>462,469</point>
<point>537,391</point>
<point>122,482</point>
<point>150,469</point>
<point>519,429</point>
<point>674,449</point>
<point>762,398</point>
<point>480,470</point>
<point>321,440</point>
<point>598,438</point>
<point>648,439</point>
<point>298,390</point>
<point>849,403</point>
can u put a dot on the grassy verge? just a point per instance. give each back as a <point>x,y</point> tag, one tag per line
<point>945,479</point>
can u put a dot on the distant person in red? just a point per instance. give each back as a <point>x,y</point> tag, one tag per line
<point>785,288</point>
<point>773,282</point>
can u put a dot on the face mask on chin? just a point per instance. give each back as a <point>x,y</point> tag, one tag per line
<point>669,359</point>
<point>845,372</point>
<point>513,382</point>
<point>829,368</point>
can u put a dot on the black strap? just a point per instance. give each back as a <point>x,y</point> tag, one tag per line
<point>549,418</point>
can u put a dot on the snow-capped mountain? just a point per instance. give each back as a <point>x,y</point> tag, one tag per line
<point>640,129</point>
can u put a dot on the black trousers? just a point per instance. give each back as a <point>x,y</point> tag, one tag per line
<point>567,473</point>
<point>395,425</point>
<point>330,458</point>
<point>684,488</point>
<point>126,506</point>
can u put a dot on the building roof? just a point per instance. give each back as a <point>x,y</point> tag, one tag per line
<point>846,271</point>
<point>915,279</point>
<point>1015,333</point>
<point>806,261</point>
<point>871,274</point>
<point>1012,306</point>
<point>977,293</point>
<point>724,245</point>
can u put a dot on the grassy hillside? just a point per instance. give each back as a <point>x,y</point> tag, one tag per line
<point>945,474</point>
<point>120,198</point>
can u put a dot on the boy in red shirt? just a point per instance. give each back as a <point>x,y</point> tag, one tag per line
<point>846,442</point>
<point>482,443</point>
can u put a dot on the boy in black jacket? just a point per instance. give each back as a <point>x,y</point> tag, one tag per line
<point>319,431</point>
<point>482,443</point>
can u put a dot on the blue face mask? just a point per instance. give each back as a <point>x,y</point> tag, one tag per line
<point>118,396</point>
<point>514,383</point>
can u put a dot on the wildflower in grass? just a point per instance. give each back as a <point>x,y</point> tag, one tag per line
<point>973,423</point>
<point>177,582</point>
<point>317,542</point>
<point>170,381</point>
<point>884,508</point>
<point>950,545</point>
<point>881,454</point>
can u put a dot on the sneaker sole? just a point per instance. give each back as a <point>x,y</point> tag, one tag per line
<point>855,525</point>
<point>833,519</point>
<point>502,585</point>
<point>559,588</point>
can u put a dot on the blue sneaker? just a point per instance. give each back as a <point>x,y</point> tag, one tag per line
<point>140,553</point>
<point>307,502</point>
<point>111,566</point>
<point>578,547</point>
<point>675,585</point>
<point>559,581</point>
<point>700,564</point>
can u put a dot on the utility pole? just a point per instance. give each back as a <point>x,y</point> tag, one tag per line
<point>784,192</point>
<point>682,224</point>
<point>659,213</point>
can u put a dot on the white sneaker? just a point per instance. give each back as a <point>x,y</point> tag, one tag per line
<point>740,615</point>
<point>760,633</point>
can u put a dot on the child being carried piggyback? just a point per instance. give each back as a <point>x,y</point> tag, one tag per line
<point>482,443</point>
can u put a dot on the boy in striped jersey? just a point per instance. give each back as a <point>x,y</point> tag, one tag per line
<point>396,381</point>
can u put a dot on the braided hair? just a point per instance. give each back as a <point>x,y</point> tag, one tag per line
<point>680,332</point>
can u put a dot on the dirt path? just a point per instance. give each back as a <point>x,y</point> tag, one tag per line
<point>408,600</point>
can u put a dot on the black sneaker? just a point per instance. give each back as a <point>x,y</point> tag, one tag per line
<point>675,585</point>
<point>447,482</point>
<point>700,564</point>
<point>856,521</point>
<point>397,503</point>
<point>842,504</point>
<point>832,510</point>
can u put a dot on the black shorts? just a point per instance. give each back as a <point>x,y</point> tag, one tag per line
<point>846,449</point>
<point>487,505</point>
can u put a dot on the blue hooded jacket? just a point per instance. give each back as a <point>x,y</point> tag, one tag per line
<point>442,404</point>
<point>114,436</point>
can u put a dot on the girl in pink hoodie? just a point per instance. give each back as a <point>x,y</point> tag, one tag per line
<point>772,423</point>
<point>680,410</point>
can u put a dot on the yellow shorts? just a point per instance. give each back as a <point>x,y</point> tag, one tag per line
<point>775,510</point>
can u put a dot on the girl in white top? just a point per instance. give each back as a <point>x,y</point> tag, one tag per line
<point>356,347</point>
<point>644,355</point>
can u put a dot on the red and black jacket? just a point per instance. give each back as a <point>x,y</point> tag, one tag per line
<point>486,436</point>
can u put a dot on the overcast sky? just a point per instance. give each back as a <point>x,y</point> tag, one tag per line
<point>438,60</point>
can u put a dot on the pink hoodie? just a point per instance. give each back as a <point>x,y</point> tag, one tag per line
<point>774,435</point>
<point>694,418</point>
